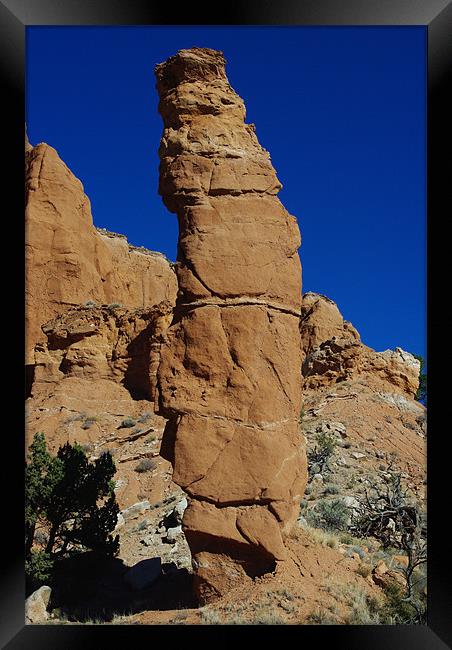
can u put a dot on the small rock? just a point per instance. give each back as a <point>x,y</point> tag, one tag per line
<point>318,478</point>
<point>36,605</point>
<point>144,573</point>
<point>380,568</point>
<point>358,455</point>
<point>120,521</point>
<point>180,509</point>
<point>302,522</point>
<point>135,510</point>
<point>173,533</point>
<point>119,484</point>
<point>351,502</point>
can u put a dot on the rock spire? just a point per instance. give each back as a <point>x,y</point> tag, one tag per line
<point>229,376</point>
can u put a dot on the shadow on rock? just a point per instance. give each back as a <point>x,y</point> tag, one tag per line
<point>89,588</point>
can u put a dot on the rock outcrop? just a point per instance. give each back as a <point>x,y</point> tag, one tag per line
<point>103,343</point>
<point>364,399</point>
<point>333,352</point>
<point>69,261</point>
<point>229,376</point>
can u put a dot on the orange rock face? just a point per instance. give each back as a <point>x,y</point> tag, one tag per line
<point>101,343</point>
<point>229,376</point>
<point>69,261</point>
<point>333,352</point>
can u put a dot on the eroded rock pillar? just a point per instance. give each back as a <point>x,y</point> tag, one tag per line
<point>229,376</point>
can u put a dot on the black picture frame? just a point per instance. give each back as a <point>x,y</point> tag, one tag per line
<point>436,17</point>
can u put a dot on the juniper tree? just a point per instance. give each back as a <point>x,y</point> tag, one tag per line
<point>70,497</point>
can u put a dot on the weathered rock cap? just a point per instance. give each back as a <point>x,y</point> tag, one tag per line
<point>192,83</point>
<point>194,64</point>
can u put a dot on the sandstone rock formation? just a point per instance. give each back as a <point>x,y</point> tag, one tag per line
<point>103,343</point>
<point>333,352</point>
<point>69,261</point>
<point>229,376</point>
<point>365,399</point>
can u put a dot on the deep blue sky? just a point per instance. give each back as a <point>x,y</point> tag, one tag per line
<point>341,110</point>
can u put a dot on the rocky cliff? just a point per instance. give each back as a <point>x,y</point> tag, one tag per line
<point>103,343</point>
<point>333,352</point>
<point>69,261</point>
<point>229,376</point>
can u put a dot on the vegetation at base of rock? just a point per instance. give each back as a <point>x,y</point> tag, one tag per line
<point>144,417</point>
<point>322,452</point>
<point>73,500</point>
<point>332,489</point>
<point>145,465</point>
<point>388,514</point>
<point>127,423</point>
<point>329,515</point>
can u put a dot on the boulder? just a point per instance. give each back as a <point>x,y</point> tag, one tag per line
<point>135,510</point>
<point>36,605</point>
<point>180,509</point>
<point>172,534</point>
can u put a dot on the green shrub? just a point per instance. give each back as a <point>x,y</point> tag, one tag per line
<point>127,423</point>
<point>144,417</point>
<point>332,489</point>
<point>38,569</point>
<point>145,465</point>
<point>322,452</point>
<point>62,495</point>
<point>329,515</point>
<point>320,617</point>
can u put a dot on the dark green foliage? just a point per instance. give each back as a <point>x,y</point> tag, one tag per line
<point>329,515</point>
<point>38,569</point>
<point>322,452</point>
<point>332,489</point>
<point>73,499</point>
<point>400,610</point>
<point>421,394</point>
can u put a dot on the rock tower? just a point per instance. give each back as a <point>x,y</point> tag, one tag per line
<point>230,371</point>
